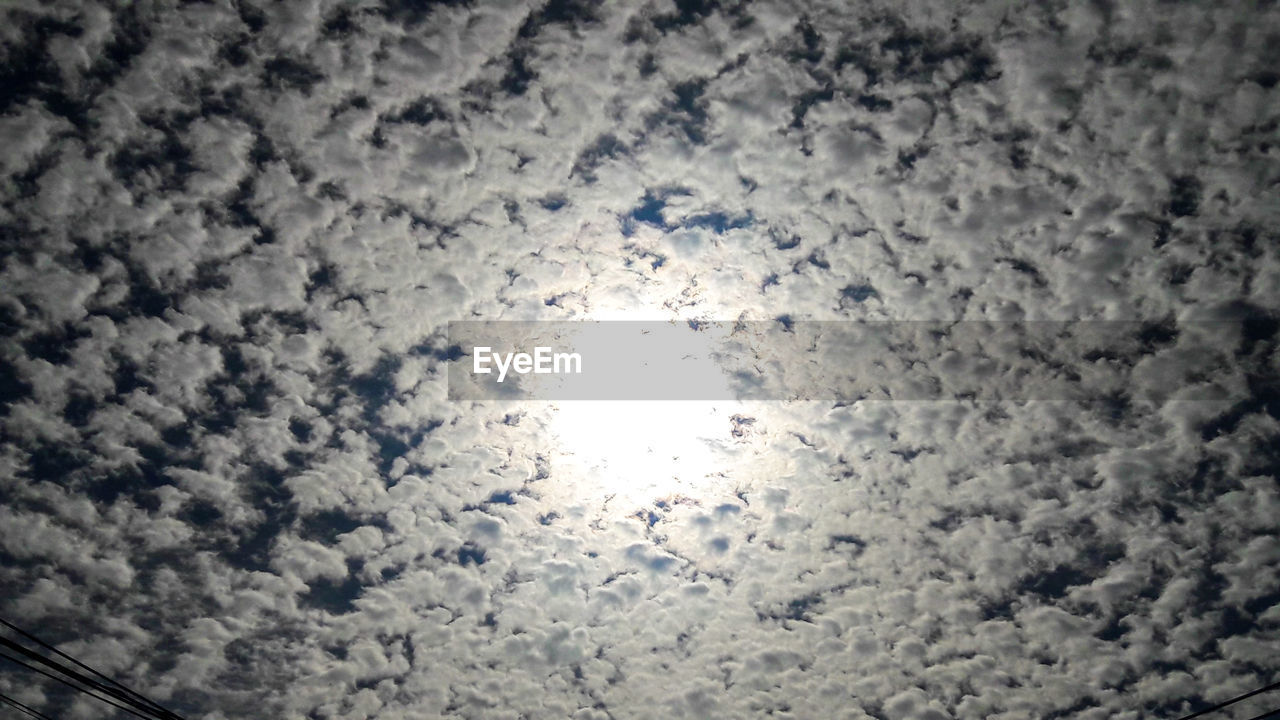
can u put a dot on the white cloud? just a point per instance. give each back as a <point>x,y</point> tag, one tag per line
<point>247,231</point>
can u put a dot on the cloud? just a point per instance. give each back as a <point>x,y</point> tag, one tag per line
<point>235,236</point>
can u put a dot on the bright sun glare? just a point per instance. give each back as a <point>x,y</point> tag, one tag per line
<point>643,449</point>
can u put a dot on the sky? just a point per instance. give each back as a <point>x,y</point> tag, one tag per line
<point>232,476</point>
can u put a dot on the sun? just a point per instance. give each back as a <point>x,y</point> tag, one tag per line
<point>637,450</point>
<point>645,449</point>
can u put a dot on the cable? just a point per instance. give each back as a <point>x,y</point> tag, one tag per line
<point>1233,701</point>
<point>73,686</point>
<point>32,712</point>
<point>138,697</point>
<point>87,681</point>
<point>1268,715</point>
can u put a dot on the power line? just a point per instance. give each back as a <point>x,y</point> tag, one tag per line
<point>129,695</point>
<point>83,680</point>
<point>75,687</point>
<point>1268,715</point>
<point>31,712</point>
<point>1235,700</point>
<point>105,689</point>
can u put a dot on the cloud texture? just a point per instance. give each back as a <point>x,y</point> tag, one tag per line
<point>233,235</point>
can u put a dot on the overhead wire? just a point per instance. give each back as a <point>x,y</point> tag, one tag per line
<point>77,688</point>
<point>77,677</point>
<point>131,695</point>
<point>1233,701</point>
<point>28,711</point>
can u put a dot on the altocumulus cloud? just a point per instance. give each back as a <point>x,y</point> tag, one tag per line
<point>233,234</point>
